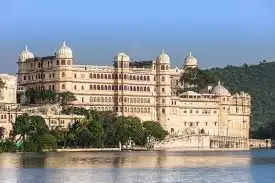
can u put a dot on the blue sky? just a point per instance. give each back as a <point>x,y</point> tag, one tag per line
<point>217,32</point>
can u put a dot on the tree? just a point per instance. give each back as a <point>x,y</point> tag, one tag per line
<point>129,128</point>
<point>2,132</point>
<point>66,97</point>
<point>196,79</point>
<point>155,130</point>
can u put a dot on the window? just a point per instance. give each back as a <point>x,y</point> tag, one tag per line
<point>163,89</point>
<point>91,75</point>
<point>57,62</point>
<point>163,111</point>
<point>63,62</point>
<point>75,76</point>
<point>162,67</point>
<point>63,86</point>
<point>63,74</point>
<point>162,78</point>
<point>75,87</point>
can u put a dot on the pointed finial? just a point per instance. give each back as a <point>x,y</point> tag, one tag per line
<point>64,43</point>
<point>219,82</point>
<point>190,53</point>
<point>26,48</point>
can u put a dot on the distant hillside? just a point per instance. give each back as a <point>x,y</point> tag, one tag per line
<point>259,82</point>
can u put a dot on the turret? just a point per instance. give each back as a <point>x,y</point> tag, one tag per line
<point>64,55</point>
<point>163,89</point>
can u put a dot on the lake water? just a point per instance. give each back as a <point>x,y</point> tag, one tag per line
<point>138,167</point>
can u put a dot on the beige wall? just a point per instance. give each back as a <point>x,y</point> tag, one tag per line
<point>148,93</point>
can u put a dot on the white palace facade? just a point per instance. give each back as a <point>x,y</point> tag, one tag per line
<point>146,89</point>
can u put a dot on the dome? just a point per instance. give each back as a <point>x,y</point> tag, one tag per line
<point>163,58</point>
<point>64,51</point>
<point>190,61</point>
<point>122,57</point>
<point>220,90</point>
<point>25,54</point>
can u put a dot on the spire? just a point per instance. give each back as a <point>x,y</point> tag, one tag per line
<point>64,43</point>
<point>190,53</point>
<point>26,48</point>
<point>219,82</point>
<point>162,51</point>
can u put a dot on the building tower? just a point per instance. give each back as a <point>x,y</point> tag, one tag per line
<point>63,72</point>
<point>121,64</point>
<point>23,73</point>
<point>163,89</point>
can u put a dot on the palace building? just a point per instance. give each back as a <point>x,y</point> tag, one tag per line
<point>146,89</point>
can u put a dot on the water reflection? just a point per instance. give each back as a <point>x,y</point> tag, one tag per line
<point>136,167</point>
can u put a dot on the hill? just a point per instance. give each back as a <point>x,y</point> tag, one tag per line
<point>259,82</point>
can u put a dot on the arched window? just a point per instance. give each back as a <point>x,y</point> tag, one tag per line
<point>91,75</point>
<point>162,67</point>
<point>98,76</point>
<point>148,89</point>
<point>63,86</point>
<point>102,87</point>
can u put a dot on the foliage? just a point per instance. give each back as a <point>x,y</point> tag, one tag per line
<point>2,132</point>
<point>7,146</point>
<point>35,96</point>
<point>34,133</point>
<point>155,130</point>
<point>98,129</point>
<point>196,79</point>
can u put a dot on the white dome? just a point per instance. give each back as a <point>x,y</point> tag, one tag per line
<point>64,51</point>
<point>25,54</point>
<point>122,57</point>
<point>190,61</point>
<point>163,58</point>
<point>220,90</point>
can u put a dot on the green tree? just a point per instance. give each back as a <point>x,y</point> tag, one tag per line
<point>155,130</point>
<point>197,79</point>
<point>66,97</point>
<point>2,132</point>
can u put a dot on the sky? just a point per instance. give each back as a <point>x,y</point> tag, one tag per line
<point>218,32</point>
